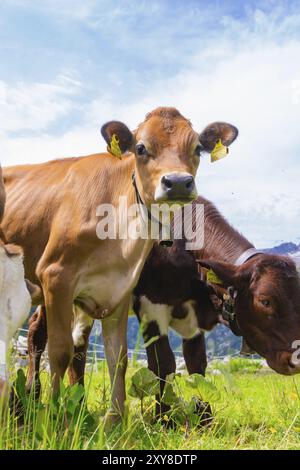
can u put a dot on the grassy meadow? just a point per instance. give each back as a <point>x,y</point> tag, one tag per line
<point>253,408</point>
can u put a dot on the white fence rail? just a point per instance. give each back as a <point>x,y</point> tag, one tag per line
<point>95,353</point>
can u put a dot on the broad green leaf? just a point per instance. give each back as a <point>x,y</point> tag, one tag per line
<point>76,393</point>
<point>171,377</point>
<point>144,383</point>
<point>169,396</point>
<point>203,385</point>
<point>20,387</point>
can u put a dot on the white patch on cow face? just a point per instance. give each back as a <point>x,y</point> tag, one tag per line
<point>186,327</point>
<point>159,313</point>
<point>15,301</point>
<point>82,323</point>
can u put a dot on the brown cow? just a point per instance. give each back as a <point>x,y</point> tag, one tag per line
<point>52,213</point>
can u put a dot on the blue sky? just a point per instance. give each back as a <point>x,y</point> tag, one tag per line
<point>68,66</point>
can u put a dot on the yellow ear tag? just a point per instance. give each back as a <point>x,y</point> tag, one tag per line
<point>212,277</point>
<point>220,151</point>
<point>114,147</point>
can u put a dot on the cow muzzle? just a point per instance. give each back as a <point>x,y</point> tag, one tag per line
<point>284,362</point>
<point>176,188</point>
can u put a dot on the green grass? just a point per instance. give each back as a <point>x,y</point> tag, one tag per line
<point>253,409</point>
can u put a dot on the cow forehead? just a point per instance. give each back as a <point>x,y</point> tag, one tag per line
<point>274,268</point>
<point>277,282</point>
<point>163,126</point>
<point>162,131</point>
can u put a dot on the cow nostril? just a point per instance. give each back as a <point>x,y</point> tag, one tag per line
<point>189,184</point>
<point>166,182</point>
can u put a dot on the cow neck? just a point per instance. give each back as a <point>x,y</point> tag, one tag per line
<point>221,241</point>
<point>146,215</point>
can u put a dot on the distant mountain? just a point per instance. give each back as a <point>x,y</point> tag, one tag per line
<point>287,248</point>
<point>283,249</point>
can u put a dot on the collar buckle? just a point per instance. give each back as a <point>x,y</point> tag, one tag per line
<point>228,310</point>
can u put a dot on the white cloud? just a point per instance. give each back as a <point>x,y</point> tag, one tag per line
<point>35,106</point>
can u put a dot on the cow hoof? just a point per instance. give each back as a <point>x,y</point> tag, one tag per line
<point>203,410</point>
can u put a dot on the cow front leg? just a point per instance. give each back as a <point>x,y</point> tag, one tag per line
<point>36,344</point>
<point>114,332</point>
<point>58,294</point>
<point>161,360</point>
<point>194,353</point>
<point>36,341</point>
<point>82,328</point>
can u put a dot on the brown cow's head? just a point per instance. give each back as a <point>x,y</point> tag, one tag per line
<point>267,306</point>
<point>167,152</point>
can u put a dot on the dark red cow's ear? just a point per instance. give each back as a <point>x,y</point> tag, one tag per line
<point>121,132</point>
<point>225,271</point>
<point>216,131</point>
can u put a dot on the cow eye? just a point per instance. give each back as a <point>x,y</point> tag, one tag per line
<point>141,149</point>
<point>265,302</point>
<point>198,150</point>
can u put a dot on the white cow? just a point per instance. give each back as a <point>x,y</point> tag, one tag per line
<point>15,303</point>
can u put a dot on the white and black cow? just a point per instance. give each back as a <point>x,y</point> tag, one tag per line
<point>170,294</point>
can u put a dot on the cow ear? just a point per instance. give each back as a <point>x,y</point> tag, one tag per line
<point>227,273</point>
<point>216,131</point>
<point>118,131</point>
